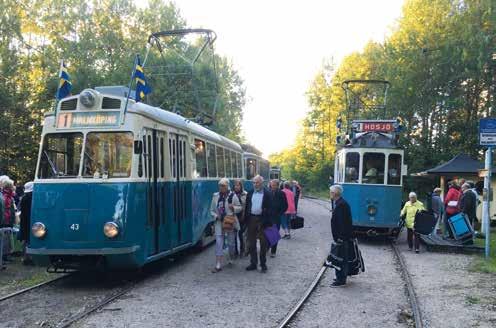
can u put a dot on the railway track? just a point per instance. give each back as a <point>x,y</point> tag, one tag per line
<point>28,289</point>
<point>412,297</point>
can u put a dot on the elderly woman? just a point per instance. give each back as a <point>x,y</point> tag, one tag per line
<point>409,210</point>
<point>241,194</point>
<point>224,207</point>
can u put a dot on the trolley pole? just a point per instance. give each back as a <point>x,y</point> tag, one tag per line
<point>486,217</point>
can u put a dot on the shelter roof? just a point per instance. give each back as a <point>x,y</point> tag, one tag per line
<point>461,163</point>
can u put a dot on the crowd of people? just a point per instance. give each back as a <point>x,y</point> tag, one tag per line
<point>15,211</point>
<point>462,197</point>
<point>243,218</point>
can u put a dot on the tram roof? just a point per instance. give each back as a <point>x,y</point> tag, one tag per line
<point>167,117</point>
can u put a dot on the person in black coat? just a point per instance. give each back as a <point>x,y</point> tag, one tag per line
<point>342,231</point>
<point>468,203</point>
<point>277,207</point>
<point>25,207</point>
<point>258,216</point>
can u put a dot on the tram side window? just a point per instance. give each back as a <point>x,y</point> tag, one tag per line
<point>373,168</point>
<point>228,164</point>
<point>108,154</point>
<point>212,164</point>
<point>234,165</point>
<point>162,160</point>
<point>201,158</point>
<point>220,162</point>
<point>352,166</point>
<point>394,169</point>
<point>172,157</point>
<point>251,168</point>
<point>61,155</point>
<point>239,165</point>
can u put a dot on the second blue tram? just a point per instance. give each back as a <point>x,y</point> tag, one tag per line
<point>370,168</point>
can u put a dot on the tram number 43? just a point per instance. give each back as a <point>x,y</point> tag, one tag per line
<point>74,226</point>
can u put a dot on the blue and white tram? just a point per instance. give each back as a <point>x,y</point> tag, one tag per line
<point>121,189</point>
<point>370,168</point>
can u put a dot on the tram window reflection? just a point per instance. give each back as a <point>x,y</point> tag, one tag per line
<point>220,162</point>
<point>373,168</point>
<point>394,169</point>
<point>108,154</point>
<point>352,167</point>
<point>61,155</point>
<point>201,158</point>
<point>212,164</point>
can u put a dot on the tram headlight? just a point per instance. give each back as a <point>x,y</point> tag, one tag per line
<point>372,210</point>
<point>87,98</point>
<point>39,230</point>
<point>111,229</point>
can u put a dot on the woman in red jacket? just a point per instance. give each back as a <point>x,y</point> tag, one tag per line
<point>451,205</point>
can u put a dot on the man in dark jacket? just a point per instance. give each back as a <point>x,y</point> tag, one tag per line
<point>257,214</point>
<point>468,203</point>
<point>277,207</point>
<point>25,207</point>
<point>342,231</point>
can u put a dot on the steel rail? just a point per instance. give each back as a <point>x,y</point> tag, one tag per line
<point>67,322</point>
<point>412,296</point>
<point>25,290</point>
<point>291,315</point>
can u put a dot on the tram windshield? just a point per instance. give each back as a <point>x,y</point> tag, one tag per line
<point>60,156</point>
<point>251,168</point>
<point>373,168</point>
<point>352,168</point>
<point>108,154</point>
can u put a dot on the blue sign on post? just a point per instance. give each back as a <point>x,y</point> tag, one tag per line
<point>487,132</point>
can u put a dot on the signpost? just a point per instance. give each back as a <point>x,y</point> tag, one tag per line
<point>487,137</point>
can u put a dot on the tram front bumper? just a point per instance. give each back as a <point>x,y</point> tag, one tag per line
<point>83,251</point>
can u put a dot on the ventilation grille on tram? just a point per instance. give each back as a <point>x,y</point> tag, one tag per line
<point>68,104</point>
<point>111,103</point>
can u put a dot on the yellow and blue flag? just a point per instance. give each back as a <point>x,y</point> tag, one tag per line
<point>142,87</point>
<point>65,85</point>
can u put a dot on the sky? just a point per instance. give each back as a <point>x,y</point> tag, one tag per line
<point>279,46</point>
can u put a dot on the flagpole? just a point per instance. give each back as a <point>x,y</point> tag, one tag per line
<point>129,88</point>
<point>56,93</point>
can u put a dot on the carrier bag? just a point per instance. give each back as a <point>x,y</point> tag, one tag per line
<point>336,257</point>
<point>297,222</point>
<point>425,222</point>
<point>272,235</point>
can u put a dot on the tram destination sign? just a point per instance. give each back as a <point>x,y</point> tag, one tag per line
<point>87,119</point>
<point>375,126</point>
<point>487,132</point>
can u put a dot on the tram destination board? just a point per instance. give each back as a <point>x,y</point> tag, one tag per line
<point>87,119</point>
<point>487,132</point>
<point>374,126</point>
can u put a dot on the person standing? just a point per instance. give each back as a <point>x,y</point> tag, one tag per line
<point>241,194</point>
<point>7,216</point>
<point>257,216</point>
<point>437,208</point>
<point>224,205</point>
<point>451,205</point>
<point>296,189</point>
<point>290,212</point>
<point>412,206</point>
<point>468,203</point>
<point>277,207</point>
<point>25,206</point>
<point>342,231</point>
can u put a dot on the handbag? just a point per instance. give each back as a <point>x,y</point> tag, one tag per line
<point>297,222</point>
<point>228,222</point>
<point>272,235</point>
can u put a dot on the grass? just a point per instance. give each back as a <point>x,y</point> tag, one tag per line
<point>472,300</point>
<point>489,265</point>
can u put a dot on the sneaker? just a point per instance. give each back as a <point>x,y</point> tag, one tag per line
<point>264,268</point>
<point>417,251</point>
<point>215,270</point>
<point>251,267</point>
<point>272,255</point>
<point>410,249</point>
<point>336,284</point>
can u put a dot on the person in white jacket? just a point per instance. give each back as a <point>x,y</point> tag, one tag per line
<point>224,204</point>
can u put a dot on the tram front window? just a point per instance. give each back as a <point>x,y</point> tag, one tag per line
<point>60,155</point>
<point>373,168</point>
<point>108,154</point>
<point>351,168</point>
<point>394,169</point>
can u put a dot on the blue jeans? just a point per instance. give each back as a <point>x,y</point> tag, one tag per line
<point>285,221</point>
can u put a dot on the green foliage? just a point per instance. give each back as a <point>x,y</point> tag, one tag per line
<point>439,61</point>
<point>98,40</point>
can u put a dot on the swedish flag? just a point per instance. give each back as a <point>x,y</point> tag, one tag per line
<point>65,85</point>
<point>142,88</point>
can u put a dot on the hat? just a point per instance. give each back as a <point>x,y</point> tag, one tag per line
<point>28,186</point>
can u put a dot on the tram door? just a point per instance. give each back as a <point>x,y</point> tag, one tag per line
<point>178,227</point>
<point>153,173</point>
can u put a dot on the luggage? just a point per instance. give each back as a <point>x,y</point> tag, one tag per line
<point>461,228</point>
<point>425,222</point>
<point>336,256</point>
<point>297,222</point>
